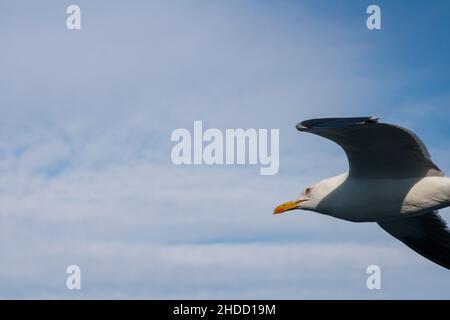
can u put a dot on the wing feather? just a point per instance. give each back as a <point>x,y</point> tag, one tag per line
<point>426,234</point>
<point>375,150</point>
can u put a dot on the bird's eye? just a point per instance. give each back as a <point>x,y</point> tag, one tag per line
<point>307,191</point>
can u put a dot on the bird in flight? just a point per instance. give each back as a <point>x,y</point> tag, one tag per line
<point>391,181</point>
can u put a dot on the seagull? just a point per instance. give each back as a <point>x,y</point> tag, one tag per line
<point>391,181</point>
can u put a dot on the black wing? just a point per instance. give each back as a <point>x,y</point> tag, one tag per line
<point>426,234</point>
<point>376,150</point>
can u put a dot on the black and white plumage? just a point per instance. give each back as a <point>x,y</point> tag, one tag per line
<point>391,181</point>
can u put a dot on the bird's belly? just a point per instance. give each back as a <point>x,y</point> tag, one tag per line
<point>364,213</point>
<point>365,200</point>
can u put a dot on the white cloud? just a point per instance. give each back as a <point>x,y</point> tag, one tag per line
<point>265,271</point>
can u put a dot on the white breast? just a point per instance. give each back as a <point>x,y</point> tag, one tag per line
<point>369,200</point>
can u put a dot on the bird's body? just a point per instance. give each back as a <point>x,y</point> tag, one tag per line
<point>391,181</point>
<point>358,200</point>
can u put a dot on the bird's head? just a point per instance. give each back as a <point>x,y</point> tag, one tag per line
<point>306,201</point>
<point>313,198</point>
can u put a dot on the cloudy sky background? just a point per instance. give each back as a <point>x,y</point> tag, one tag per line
<point>86,118</point>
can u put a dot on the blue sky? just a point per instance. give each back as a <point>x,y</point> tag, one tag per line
<point>85,170</point>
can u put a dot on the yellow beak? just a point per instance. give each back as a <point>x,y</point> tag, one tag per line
<point>290,205</point>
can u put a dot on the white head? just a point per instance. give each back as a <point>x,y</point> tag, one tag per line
<point>312,196</point>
